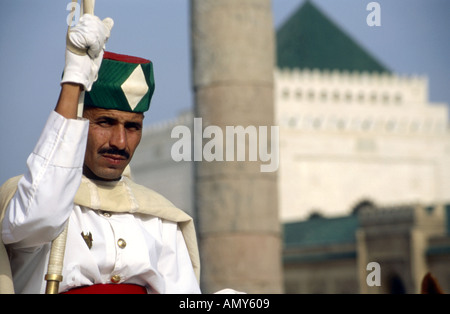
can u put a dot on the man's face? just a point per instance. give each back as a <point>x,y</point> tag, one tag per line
<point>112,140</point>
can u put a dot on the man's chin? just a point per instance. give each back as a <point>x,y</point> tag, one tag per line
<point>106,174</point>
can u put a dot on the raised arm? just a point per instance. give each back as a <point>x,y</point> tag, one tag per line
<point>67,105</point>
<point>44,198</point>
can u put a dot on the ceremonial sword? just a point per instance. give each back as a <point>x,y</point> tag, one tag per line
<point>58,248</point>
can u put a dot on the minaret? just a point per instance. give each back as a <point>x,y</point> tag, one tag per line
<point>236,204</point>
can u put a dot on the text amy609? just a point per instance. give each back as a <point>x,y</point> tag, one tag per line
<point>228,303</point>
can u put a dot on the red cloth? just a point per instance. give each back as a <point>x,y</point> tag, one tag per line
<point>124,58</point>
<point>108,289</point>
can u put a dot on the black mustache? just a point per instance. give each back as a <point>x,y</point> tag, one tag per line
<point>114,151</point>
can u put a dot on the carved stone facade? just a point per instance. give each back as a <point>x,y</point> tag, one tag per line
<point>358,136</point>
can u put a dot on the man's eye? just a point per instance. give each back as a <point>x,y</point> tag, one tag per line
<point>104,123</point>
<point>133,126</point>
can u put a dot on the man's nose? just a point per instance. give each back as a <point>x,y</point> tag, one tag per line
<point>118,137</point>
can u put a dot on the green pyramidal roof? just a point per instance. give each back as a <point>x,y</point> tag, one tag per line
<point>309,40</point>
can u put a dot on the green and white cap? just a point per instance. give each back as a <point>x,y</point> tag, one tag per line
<point>124,83</point>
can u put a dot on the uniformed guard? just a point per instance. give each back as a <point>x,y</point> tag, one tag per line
<point>121,236</point>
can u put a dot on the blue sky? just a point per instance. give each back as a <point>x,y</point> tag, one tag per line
<point>413,39</point>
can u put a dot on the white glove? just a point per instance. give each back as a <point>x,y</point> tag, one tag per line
<point>84,52</point>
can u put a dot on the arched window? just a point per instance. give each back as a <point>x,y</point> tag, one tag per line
<point>364,204</point>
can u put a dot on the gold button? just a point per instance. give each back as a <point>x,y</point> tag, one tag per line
<point>121,243</point>
<point>115,279</point>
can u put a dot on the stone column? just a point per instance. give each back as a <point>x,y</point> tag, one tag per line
<point>236,203</point>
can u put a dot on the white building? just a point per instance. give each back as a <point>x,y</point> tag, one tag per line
<point>350,131</point>
<point>348,138</point>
